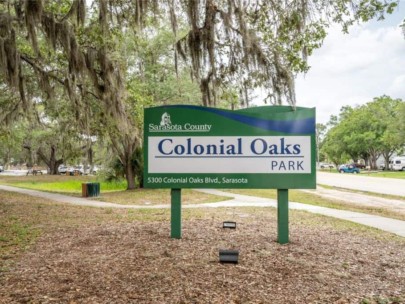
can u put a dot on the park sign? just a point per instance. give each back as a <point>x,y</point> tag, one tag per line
<point>198,147</point>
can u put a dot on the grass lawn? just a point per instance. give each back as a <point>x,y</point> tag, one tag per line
<point>313,199</point>
<point>376,194</point>
<point>59,183</point>
<point>113,192</point>
<point>332,170</point>
<point>388,174</point>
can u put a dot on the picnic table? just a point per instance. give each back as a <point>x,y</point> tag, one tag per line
<point>34,171</point>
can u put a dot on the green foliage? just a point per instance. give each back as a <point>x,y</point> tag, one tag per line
<point>401,120</point>
<point>229,99</point>
<point>11,138</point>
<point>366,131</point>
<point>138,165</point>
<point>83,78</point>
<point>115,172</point>
<point>333,147</point>
<point>156,81</point>
<point>320,134</point>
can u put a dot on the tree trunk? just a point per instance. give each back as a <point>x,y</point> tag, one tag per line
<point>51,162</point>
<point>29,161</point>
<point>387,156</point>
<point>129,175</point>
<point>7,159</point>
<point>387,162</point>
<point>204,94</point>
<point>373,159</point>
<point>90,156</point>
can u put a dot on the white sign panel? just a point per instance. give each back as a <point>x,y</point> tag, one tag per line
<point>229,154</point>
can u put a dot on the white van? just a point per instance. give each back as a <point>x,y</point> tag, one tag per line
<point>398,163</point>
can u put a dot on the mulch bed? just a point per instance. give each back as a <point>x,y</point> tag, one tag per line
<point>138,263</point>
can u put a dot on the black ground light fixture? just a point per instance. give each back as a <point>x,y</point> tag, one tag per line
<point>228,224</point>
<point>228,256</point>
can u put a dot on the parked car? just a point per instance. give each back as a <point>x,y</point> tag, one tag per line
<point>95,169</point>
<point>91,169</point>
<point>70,170</point>
<point>348,169</point>
<point>76,170</point>
<point>80,169</point>
<point>326,166</point>
<point>1,168</point>
<point>398,163</point>
<point>62,169</point>
<point>360,166</point>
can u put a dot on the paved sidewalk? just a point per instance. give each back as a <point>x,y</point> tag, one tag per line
<point>79,201</point>
<point>390,225</point>
<point>387,224</point>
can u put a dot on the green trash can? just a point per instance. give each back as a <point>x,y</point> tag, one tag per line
<point>96,189</point>
<point>90,189</point>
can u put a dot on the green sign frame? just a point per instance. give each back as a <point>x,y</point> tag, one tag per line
<point>269,147</point>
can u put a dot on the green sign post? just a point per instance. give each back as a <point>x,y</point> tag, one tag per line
<point>270,147</point>
<point>175,218</point>
<point>282,216</point>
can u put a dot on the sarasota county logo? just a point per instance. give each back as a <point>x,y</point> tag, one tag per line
<point>165,121</point>
<point>165,125</point>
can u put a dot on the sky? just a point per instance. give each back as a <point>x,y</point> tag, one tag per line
<point>352,69</point>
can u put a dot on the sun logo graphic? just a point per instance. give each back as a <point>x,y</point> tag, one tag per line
<point>165,122</point>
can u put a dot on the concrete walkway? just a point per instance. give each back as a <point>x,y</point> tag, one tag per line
<point>387,224</point>
<point>390,225</point>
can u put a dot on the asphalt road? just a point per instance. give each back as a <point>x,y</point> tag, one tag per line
<point>390,186</point>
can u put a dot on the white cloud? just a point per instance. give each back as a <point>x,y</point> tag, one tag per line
<point>352,69</point>
<point>397,88</point>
